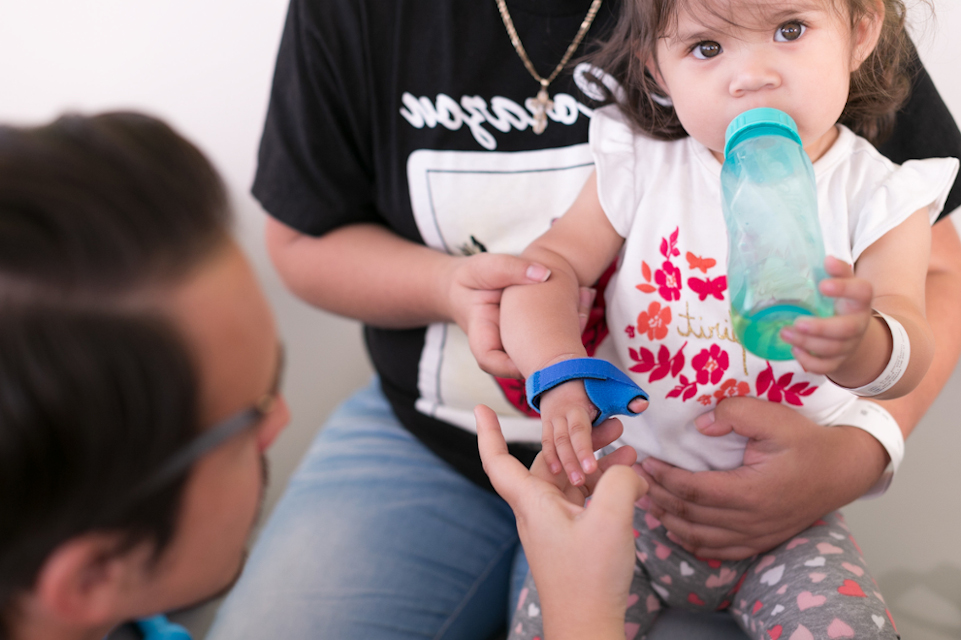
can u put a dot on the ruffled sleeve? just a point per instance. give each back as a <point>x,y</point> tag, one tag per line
<point>915,185</point>
<point>618,188</point>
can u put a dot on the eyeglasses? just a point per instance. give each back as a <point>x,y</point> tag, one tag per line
<point>213,437</point>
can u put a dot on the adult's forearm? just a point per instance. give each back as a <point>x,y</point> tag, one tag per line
<point>943,308</point>
<point>362,271</point>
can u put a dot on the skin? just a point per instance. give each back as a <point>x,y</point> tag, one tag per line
<point>84,590</point>
<point>371,274</point>
<point>580,555</point>
<point>748,67</point>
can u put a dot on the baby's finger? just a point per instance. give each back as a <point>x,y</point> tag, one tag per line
<point>837,268</point>
<point>856,292</point>
<point>547,448</point>
<point>836,328</point>
<point>565,451</point>
<point>580,429</point>
<point>815,364</point>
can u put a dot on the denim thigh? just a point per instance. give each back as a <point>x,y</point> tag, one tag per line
<point>375,537</point>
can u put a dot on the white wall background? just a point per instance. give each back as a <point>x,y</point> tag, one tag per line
<point>205,66</point>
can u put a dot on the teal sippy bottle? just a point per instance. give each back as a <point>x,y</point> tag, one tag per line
<point>775,248</point>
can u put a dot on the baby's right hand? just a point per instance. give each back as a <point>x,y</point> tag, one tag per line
<point>567,417</point>
<point>567,414</point>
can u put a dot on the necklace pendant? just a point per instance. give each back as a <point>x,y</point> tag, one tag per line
<point>542,103</point>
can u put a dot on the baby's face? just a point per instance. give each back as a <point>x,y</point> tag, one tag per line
<point>726,57</point>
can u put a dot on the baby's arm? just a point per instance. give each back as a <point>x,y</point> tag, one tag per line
<point>539,325</point>
<point>854,347</point>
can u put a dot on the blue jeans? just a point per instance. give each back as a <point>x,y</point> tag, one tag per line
<point>378,538</point>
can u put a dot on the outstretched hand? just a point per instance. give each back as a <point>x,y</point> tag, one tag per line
<point>822,345</point>
<point>794,472</point>
<point>581,556</point>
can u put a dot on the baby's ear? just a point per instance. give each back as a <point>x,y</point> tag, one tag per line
<point>866,34</point>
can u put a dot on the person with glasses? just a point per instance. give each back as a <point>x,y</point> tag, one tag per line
<point>140,385</point>
<point>139,378</point>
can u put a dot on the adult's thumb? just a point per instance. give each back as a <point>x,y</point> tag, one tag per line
<point>497,271</point>
<point>749,417</point>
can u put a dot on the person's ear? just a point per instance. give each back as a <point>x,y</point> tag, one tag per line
<point>86,582</point>
<point>867,32</point>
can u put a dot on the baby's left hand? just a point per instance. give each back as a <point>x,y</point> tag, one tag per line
<point>821,345</point>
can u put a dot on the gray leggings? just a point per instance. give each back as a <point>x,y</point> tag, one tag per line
<point>812,586</point>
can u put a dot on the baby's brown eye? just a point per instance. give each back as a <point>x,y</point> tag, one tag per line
<point>789,32</point>
<point>706,50</point>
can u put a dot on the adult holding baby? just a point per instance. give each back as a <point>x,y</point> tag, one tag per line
<point>393,160</point>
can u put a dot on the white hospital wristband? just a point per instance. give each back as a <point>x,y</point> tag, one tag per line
<point>897,364</point>
<point>874,419</point>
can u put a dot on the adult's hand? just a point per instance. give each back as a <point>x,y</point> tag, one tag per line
<point>794,472</point>
<point>582,557</point>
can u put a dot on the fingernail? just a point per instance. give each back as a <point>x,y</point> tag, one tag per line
<point>673,538</point>
<point>587,464</point>
<point>787,335</point>
<point>648,466</point>
<point>538,272</point>
<point>644,503</point>
<point>576,479</point>
<point>704,420</point>
<point>555,468</point>
<point>803,325</point>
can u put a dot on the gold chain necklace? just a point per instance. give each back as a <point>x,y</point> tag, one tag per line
<point>542,103</point>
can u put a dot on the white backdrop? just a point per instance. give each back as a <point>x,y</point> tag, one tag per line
<point>205,66</point>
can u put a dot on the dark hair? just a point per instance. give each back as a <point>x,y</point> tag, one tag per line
<point>97,387</point>
<point>878,88</point>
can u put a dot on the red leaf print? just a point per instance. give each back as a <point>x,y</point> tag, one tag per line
<point>798,387</point>
<point>674,251</point>
<point>687,387</point>
<point>677,362</point>
<point>647,288</point>
<point>781,389</point>
<point>663,364</point>
<point>665,249</point>
<point>645,271</point>
<point>764,380</point>
<point>644,358</point>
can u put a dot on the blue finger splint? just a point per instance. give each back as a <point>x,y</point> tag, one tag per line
<point>607,386</point>
<point>159,628</point>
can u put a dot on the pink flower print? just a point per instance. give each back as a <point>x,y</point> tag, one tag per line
<point>732,388</point>
<point>710,364</point>
<point>668,278</point>
<point>782,388</point>
<point>705,399</point>
<point>654,321</point>
<point>629,330</point>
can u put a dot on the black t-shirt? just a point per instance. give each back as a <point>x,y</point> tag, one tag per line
<point>411,114</point>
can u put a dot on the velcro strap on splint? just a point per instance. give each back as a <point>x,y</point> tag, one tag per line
<point>609,388</point>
